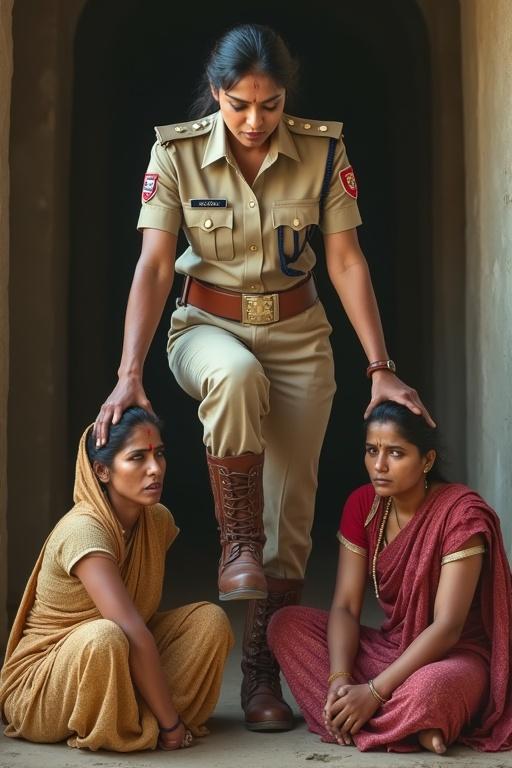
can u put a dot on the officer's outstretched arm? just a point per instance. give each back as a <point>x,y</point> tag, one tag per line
<point>150,288</point>
<point>350,276</point>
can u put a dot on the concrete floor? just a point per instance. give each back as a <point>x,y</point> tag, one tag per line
<point>230,745</point>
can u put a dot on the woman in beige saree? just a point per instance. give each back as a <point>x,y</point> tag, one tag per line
<point>89,658</point>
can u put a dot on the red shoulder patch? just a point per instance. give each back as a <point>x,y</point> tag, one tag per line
<point>348,181</point>
<point>149,186</point>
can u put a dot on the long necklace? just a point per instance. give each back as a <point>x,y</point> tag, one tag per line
<point>396,516</point>
<point>383,522</point>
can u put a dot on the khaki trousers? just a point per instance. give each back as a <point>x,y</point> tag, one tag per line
<point>263,388</point>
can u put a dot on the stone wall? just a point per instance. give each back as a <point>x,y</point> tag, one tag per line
<point>5,103</point>
<point>39,152</point>
<point>487,86</point>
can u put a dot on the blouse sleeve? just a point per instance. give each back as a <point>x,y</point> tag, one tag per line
<point>459,530</point>
<point>78,537</point>
<point>352,533</point>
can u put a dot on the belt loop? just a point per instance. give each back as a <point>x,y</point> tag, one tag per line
<point>182,301</point>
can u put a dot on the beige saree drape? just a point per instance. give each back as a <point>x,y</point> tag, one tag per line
<point>66,673</point>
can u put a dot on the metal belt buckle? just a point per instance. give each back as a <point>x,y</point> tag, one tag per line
<point>260,309</point>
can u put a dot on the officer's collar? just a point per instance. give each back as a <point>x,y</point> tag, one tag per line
<point>217,146</point>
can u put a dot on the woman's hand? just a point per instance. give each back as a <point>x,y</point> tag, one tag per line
<point>349,708</point>
<point>330,708</point>
<point>387,386</point>
<point>178,739</point>
<point>128,391</point>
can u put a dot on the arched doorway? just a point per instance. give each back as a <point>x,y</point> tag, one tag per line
<point>364,64</point>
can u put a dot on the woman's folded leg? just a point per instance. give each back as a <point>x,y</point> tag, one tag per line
<point>82,691</point>
<point>194,642</point>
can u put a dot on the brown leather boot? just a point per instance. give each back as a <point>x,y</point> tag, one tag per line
<point>237,487</point>
<point>262,697</point>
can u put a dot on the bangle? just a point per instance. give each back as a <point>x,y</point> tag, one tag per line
<point>334,675</point>
<point>375,693</point>
<point>172,728</point>
<point>380,365</point>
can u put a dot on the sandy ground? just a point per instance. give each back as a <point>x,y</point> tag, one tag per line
<point>229,744</point>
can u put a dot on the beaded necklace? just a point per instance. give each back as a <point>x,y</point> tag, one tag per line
<point>383,522</point>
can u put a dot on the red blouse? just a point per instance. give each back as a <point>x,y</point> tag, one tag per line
<point>352,532</point>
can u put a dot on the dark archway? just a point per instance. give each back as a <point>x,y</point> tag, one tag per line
<point>364,63</point>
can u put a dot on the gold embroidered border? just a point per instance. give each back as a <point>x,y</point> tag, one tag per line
<point>353,547</point>
<point>373,510</point>
<point>463,553</point>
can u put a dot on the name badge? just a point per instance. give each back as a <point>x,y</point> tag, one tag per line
<point>208,203</point>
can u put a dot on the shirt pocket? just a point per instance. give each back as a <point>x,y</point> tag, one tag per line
<point>297,218</point>
<point>210,232</point>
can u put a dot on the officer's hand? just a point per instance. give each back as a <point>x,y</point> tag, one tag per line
<point>387,386</point>
<point>128,391</point>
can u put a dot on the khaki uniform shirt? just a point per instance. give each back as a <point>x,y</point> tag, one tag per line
<point>193,181</point>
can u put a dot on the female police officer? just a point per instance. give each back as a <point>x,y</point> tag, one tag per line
<point>250,339</point>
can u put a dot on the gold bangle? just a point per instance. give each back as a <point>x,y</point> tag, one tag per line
<point>334,675</point>
<point>375,693</point>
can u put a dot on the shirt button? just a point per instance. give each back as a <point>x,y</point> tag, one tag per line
<point>307,126</point>
<point>296,222</point>
<point>208,224</point>
<point>253,247</point>
<point>251,203</point>
<point>253,287</point>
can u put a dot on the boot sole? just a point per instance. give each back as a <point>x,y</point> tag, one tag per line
<point>270,725</point>
<point>243,594</point>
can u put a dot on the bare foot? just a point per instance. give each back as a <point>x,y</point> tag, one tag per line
<point>432,739</point>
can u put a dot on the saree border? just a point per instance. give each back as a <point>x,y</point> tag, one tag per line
<point>349,545</point>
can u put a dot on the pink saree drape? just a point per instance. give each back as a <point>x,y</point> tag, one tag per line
<point>468,694</point>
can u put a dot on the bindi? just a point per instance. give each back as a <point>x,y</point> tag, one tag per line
<point>150,445</point>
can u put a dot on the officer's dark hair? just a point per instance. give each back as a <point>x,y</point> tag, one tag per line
<point>244,49</point>
<point>119,435</point>
<point>412,428</point>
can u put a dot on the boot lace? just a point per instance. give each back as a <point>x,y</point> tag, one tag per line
<point>259,665</point>
<point>240,492</point>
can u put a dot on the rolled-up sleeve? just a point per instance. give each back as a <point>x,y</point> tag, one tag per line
<point>163,208</point>
<point>341,211</point>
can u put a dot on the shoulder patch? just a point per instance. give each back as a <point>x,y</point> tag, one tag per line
<point>191,128</point>
<point>330,129</point>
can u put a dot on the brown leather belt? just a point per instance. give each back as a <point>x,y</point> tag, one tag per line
<point>249,308</point>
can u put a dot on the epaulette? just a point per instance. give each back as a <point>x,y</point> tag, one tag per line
<point>330,129</point>
<point>167,133</point>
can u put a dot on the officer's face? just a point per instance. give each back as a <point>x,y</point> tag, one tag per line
<point>251,109</point>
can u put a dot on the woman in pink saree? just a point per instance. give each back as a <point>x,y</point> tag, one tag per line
<point>439,668</point>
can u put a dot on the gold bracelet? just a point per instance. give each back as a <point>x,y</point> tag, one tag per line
<point>375,693</point>
<point>334,675</point>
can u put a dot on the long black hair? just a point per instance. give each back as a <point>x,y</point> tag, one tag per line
<point>119,435</point>
<point>244,49</point>
<point>412,428</point>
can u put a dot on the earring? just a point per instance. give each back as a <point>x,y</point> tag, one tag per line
<point>425,472</point>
